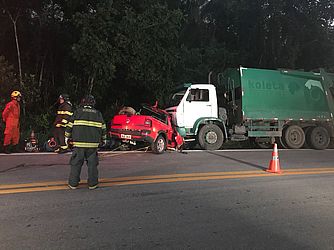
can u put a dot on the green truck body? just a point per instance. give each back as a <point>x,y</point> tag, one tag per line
<point>267,102</point>
<point>281,94</point>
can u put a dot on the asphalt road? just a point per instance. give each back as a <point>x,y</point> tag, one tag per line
<point>199,200</point>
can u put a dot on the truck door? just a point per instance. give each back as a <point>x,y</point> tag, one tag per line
<point>197,105</point>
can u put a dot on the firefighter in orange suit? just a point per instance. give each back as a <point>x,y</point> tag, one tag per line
<point>11,117</point>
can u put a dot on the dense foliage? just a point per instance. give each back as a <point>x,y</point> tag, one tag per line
<point>126,52</point>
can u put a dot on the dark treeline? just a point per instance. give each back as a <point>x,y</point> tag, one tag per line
<point>126,52</point>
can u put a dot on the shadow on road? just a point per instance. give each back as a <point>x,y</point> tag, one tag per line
<point>237,160</point>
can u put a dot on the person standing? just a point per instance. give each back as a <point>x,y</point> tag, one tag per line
<point>86,129</point>
<point>11,117</point>
<point>63,113</point>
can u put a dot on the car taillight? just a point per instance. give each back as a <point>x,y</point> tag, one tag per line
<point>148,123</point>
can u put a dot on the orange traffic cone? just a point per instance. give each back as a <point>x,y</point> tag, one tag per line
<point>274,166</point>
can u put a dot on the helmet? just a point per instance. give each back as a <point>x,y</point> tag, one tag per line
<point>66,97</point>
<point>88,100</point>
<point>15,94</point>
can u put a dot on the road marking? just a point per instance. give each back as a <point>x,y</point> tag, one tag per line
<point>169,178</point>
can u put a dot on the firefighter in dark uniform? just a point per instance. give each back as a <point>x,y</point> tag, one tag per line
<point>86,129</point>
<point>63,113</point>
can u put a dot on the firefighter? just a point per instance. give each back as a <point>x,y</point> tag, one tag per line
<point>86,129</point>
<point>63,113</point>
<point>11,117</point>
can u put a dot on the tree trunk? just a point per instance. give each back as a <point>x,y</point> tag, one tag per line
<point>91,84</point>
<point>41,73</point>
<point>14,21</point>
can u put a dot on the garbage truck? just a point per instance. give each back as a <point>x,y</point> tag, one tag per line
<point>293,108</point>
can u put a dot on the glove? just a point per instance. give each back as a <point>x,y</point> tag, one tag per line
<point>66,140</point>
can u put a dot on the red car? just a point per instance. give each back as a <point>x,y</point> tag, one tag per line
<point>150,125</point>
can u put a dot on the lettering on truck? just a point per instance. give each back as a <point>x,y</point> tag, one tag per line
<point>265,85</point>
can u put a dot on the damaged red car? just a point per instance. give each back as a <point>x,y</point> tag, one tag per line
<point>150,125</point>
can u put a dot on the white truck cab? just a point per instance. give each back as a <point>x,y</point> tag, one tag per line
<point>194,109</point>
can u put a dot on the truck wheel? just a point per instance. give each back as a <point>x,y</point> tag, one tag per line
<point>318,138</point>
<point>294,137</point>
<point>280,143</point>
<point>307,131</point>
<point>210,137</point>
<point>159,145</point>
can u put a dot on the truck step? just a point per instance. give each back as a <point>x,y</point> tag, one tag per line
<point>235,137</point>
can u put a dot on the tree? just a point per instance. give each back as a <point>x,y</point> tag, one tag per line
<point>124,47</point>
<point>14,12</point>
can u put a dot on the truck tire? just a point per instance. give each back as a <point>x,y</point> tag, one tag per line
<point>318,138</point>
<point>159,145</point>
<point>294,137</point>
<point>210,137</point>
<point>307,131</point>
<point>280,143</point>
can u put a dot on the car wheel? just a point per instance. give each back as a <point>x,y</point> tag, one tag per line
<point>159,145</point>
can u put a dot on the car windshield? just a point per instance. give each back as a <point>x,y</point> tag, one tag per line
<point>154,112</point>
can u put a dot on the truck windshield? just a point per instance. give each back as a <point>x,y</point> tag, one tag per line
<point>176,98</point>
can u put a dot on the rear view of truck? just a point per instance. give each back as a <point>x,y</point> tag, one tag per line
<point>294,107</point>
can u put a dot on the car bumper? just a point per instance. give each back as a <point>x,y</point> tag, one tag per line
<point>131,135</point>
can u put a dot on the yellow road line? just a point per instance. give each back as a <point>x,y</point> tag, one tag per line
<point>29,190</point>
<point>129,178</point>
<point>202,178</point>
<point>137,180</point>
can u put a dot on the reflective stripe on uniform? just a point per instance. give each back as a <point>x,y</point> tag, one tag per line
<point>86,144</point>
<point>64,121</point>
<point>61,112</point>
<point>87,123</point>
<point>70,124</point>
<point>61,125</point>
<point>67,134</point>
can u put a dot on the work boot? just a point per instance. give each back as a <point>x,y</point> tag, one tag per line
<point>72,187</point>
<point>93,187</point>
<point>6,149</point>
